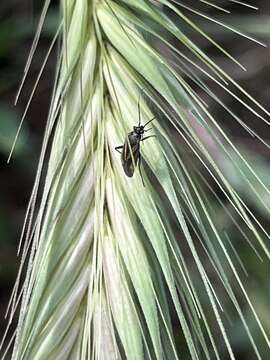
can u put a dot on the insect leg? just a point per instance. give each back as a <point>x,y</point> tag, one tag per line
<point>148,129</point>
<point>140,171</point>
<point>117,148</point>
<point>147,137</point>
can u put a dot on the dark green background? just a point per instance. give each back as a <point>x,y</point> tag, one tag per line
<point>18,21</point>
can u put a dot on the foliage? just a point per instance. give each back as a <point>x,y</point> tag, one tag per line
<point>115,269</point>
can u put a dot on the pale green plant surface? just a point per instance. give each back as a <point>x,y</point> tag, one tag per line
<point>106,267</point>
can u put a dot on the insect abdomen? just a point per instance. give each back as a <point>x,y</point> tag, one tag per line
<point>130,155</point>
<point>128,169</point>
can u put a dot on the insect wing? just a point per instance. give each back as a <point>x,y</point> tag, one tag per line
<point>130,157</point>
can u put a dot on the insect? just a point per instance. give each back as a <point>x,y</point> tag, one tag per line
<point>130,151</point>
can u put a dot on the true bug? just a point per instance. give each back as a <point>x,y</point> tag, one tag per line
<point>130,151</point>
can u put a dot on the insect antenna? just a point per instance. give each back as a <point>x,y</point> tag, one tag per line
<point>149,122</point>
<point>139,109</point>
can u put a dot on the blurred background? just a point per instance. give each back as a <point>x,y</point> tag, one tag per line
<point>18,23</point>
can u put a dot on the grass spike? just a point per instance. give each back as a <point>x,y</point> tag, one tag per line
<point>109,260</point>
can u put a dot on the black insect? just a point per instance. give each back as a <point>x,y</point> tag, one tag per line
<point>130,151</point>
